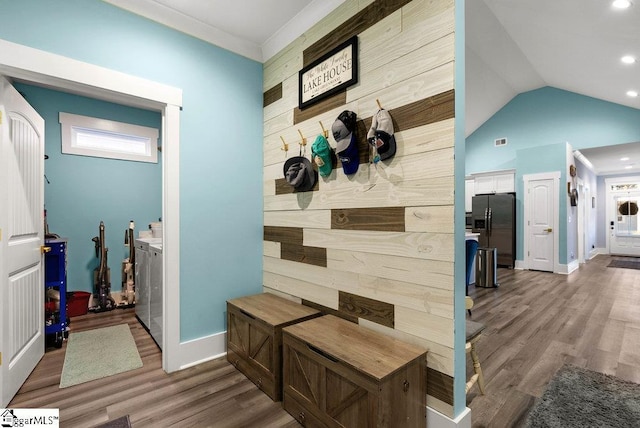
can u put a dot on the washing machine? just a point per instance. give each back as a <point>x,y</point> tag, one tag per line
<point>155,292</point>
<point>143,279</point>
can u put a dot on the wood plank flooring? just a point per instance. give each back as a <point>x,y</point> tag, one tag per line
<point>213,394</point>
<point>536,322</point>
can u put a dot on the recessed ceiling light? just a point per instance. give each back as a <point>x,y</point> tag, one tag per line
<point>628,59</point>
<point>632,93</point>
<point>624,159</point>
<point>621,4</point>
<point>628,167</point>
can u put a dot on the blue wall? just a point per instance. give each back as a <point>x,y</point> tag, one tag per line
<point>82,191</point>
<point>220,137</point>
<point>549,116</point>
<point>538,125</point>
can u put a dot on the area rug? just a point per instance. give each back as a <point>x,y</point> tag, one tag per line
<point>94,354</point>
<point>627,264</point>
<point>121,422</point>
<point>577,397</point>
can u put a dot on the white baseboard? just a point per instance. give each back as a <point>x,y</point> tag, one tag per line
<point>562,269</point>
<point>436,419</point>
<point>570,268</point>
<point>203,349</point>
<point>595,251</point>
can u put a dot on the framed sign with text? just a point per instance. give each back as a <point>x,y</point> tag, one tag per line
<point>329,74</point>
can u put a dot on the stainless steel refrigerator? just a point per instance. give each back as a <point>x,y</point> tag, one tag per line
<point>494,218</point>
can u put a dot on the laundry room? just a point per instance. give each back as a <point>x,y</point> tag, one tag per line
<point>83,192</point>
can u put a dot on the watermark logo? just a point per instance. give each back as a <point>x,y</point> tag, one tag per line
<point>31,418</point>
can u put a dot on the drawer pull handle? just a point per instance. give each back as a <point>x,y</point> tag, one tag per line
<point>259,382</point>
<point>245,313</point>
<point>235,363</point>
<point>405,386</point>
<point>322,353</point>
<point>301,417</point>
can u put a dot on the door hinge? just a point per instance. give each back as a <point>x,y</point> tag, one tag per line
<point>0,358</point>
<point>0,118</point>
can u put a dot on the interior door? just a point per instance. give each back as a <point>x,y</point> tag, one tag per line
<point>22,236</point>
<point>541,240</point>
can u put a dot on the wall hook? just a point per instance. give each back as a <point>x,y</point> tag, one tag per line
<point>285,146</point>
<point>379,105</point>
<point>303,141</point>
<point>324,131</point>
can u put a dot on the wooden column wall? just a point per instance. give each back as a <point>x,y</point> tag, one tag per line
<point>376,247</point>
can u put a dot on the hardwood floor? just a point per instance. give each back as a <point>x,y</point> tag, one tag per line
<point>536,322</point>
<point>213,394</point>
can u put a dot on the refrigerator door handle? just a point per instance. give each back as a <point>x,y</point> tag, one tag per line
<point>489,225</point>
<point>486,220</point>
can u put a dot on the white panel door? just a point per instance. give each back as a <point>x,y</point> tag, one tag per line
<point>22,227</point>
<point>625,232</point>
<point>541,234</point>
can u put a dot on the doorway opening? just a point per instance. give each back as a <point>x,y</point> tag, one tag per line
<point>38,67</point>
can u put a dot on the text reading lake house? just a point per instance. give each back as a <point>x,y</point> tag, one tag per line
<point>330,73</point>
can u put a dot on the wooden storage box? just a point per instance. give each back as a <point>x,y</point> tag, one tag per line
<point>254,337</point>
<point>336,373</point>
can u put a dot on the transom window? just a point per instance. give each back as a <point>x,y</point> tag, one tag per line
<point>90,136</point>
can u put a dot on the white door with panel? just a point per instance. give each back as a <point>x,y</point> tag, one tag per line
<point>541,240</point>
<point>624,227</point>
<point>21,239</point>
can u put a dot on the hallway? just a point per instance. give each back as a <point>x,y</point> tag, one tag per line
<point>538,321</point>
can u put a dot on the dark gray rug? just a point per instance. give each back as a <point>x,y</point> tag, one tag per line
<point>577,397</point>
<point>627,264</point>
<point>121,422</point>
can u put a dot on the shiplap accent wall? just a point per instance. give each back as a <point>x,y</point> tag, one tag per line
<point>376,247</point>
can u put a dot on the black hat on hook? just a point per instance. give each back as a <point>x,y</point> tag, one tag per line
<point>299,173</point>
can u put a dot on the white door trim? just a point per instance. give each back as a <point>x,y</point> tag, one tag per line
<point>86,79</point>
<point>527,178</point>
<point>580,222</point>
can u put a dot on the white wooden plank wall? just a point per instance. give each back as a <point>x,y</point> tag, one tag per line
<point>406,57</point>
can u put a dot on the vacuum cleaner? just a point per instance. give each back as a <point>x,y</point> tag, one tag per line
<point>102,275</point>
<point>128,264</point>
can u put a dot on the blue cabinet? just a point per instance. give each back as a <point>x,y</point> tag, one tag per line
<point>55,285</point>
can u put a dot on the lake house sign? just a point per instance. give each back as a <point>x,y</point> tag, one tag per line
<point>329,74</point>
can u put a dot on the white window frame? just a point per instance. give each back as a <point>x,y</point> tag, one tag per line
<point>74,127</point>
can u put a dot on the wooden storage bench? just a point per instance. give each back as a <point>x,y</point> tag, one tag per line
<point>336,373</point>
<point>254,337</point>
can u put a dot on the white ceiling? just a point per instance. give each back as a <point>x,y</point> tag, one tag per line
<point>256,29</point>
<point>512,46</point>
